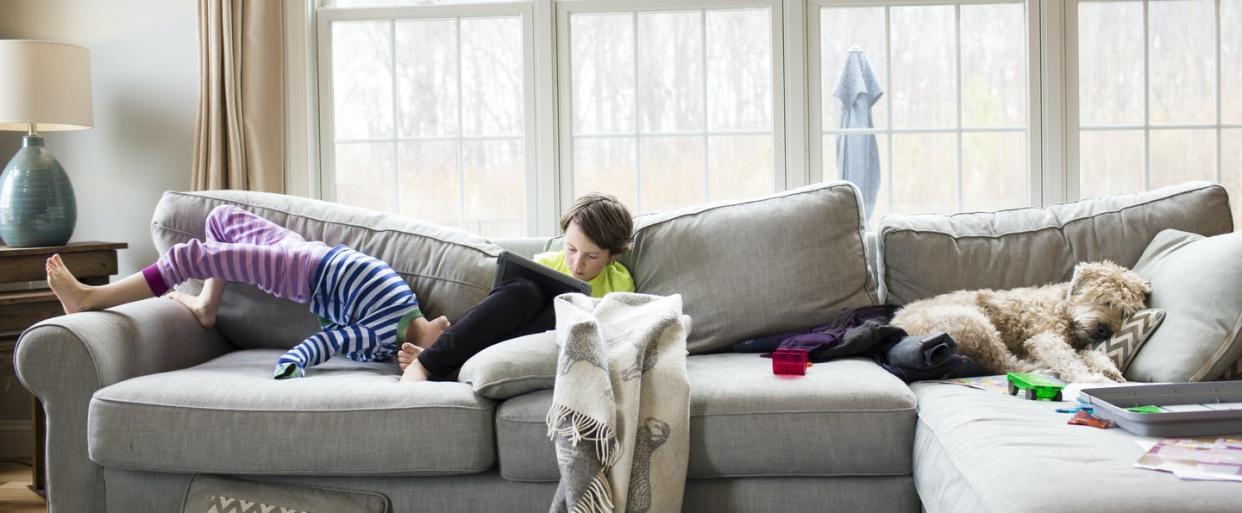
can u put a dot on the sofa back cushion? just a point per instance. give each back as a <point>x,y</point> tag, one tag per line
<point>924,255</point>
<point>756,266</point>
<point>449,269</point>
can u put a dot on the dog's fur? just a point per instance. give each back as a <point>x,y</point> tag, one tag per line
<point>1045,329</point>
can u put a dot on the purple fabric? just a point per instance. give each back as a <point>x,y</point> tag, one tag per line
<point>155,280</point>
<point>243,247</point>
<point>818,340</point>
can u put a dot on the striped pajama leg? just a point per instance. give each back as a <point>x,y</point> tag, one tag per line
<point>242,247</point>
<point>321,346</point>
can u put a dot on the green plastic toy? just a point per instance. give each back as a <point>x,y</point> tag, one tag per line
<point>1035,387</point>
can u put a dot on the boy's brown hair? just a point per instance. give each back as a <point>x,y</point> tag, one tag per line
<point>603,219</point>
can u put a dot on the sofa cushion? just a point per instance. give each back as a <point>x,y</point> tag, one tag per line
<point>228,416</point>
<point>924,255</point>
<point>1197,281</point>
<point>844,418</point>
<point>758,266</point>
<point>449,269</point>
<point>983,451</point>
<point>515,367</point>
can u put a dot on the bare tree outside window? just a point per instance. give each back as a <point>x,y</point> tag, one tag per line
<point>1151,108</point>
<point>672,108</point>
<point>429,118</point>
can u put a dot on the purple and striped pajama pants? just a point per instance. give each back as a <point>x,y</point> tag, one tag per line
<point>360,305</point>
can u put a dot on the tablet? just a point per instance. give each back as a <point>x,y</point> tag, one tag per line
<point>552,282</point>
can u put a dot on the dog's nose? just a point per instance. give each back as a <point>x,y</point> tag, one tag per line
<point>1103,332</point>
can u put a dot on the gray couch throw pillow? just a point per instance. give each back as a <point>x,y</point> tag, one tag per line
<point>1124,345</point>
<point>1196,280</point>
<point>513,367</point>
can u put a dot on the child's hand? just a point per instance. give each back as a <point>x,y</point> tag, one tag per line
<point>407,354</point>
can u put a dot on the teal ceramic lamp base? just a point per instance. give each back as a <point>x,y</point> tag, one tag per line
<point>37,207</point>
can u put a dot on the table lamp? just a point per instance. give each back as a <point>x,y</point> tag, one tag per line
<point>46,88</point>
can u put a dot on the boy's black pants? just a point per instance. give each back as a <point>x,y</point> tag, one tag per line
<point>516,308</point>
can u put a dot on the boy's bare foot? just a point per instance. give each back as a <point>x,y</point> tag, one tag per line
<point>198,306</point>
<point>74,295</point>
<point>414,373</point>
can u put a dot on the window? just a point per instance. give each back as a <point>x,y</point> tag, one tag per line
<point>668,108</point>
<point>493,115</point>
<point>948,130</point>
<point>1150,109</point>
<point>428,113</point>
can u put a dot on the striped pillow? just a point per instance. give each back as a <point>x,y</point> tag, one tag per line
<point>1126,343</point>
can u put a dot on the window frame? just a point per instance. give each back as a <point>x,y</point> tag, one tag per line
<point>326,16</point>
<point>565,9</point>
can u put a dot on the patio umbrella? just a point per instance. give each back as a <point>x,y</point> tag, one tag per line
<point>858,157</point>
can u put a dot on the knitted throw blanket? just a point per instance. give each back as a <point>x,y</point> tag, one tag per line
<point>620,412</point>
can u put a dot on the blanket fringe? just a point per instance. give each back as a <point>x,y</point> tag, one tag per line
<point>582,427</point>
<point>597,498</point>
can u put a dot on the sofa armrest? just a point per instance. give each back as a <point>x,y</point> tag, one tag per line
<point>64,360</point>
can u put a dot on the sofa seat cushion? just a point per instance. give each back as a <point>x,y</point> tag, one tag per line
<point>228,416</point>
<point>844,418</point>
<point>980,451</point>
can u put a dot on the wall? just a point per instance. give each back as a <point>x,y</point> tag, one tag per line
<point>144,73</point>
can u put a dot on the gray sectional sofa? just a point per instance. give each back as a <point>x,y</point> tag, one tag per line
<point>140,399</point>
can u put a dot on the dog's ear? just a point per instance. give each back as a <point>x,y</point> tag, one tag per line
<point>1086,273</point>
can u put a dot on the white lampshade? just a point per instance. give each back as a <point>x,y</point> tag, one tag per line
<point>45,83</point>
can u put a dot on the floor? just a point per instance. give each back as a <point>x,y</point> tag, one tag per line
<point>15,497</point>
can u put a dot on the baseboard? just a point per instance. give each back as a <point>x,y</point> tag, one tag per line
<point>16,439</point>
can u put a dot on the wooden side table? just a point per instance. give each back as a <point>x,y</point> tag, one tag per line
<point>90,262</point>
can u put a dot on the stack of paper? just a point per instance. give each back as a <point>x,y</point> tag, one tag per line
<point>1217,459</point>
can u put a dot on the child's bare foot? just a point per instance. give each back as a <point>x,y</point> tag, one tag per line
<point>204,312</point>
<point>425,332</point>
<point>414,373</point>
<point>74,296</point>
<point>407,354</point>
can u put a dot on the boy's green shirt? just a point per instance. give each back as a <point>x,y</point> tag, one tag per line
<point>613,277</point>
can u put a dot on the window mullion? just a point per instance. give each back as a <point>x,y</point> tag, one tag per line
<point>957,34</point>
<point>396,130</point>
<point>638,122</point>
<point>707,191</point>
<point>1146,102</point>
<point>461,132</point>
<point>1220,132</point>
<point>888,65</point>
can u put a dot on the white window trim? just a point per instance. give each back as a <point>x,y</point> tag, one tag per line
<point>327,138</point>
<point>565,90</point>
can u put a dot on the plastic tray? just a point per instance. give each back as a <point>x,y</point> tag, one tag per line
<point>1213,408</point>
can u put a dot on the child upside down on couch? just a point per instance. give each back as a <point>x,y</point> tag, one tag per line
<point>364,307</point>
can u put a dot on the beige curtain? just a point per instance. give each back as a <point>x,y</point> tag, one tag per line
<point>239,141</point>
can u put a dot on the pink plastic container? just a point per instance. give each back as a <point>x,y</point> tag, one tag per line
<point>789,362</point>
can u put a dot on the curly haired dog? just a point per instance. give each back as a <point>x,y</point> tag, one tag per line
<point>1049,329</point>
